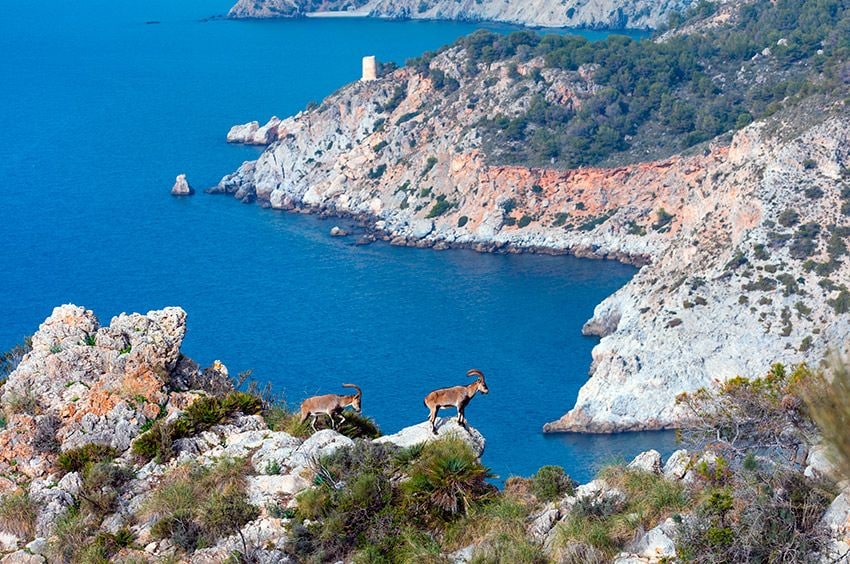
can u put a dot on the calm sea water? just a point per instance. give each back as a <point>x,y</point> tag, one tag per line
<point>99,111</point>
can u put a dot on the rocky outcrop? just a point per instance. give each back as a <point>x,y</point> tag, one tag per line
<point>252,134</point>
<point>181,186</point>
<point>446,427</point>
<point>743,239</point>
<point>642,14</point>
<point>104,385</point>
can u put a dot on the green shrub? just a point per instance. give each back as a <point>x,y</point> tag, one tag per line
<point>195,506</point>
<point>70,537</point>
<point>278,417</point>
<point>524,221</point>
<point>462,221</point>
<point>441,206</point>
<point>551,483</point>
<point>445,481</point>
<point>101,486</point>
<point>204,413</point>
<point>80,458</point>
<point>17,514</point>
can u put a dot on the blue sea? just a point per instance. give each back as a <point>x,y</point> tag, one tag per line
<point>99,111</point>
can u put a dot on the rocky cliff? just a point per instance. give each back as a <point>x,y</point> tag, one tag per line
<point>744,240</point>
<point>600,14</point>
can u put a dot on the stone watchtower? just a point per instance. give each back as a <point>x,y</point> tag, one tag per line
<point>370,68</point>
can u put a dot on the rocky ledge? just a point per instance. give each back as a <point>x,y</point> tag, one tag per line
<point>599,14</point>
<point>745,240</point>
<point>82,385</point>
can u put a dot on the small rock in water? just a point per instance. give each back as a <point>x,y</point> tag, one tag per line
<point>181,186</point>
<point>337,231</point>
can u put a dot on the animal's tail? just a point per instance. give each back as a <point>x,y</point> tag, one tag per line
<point>359,392</point>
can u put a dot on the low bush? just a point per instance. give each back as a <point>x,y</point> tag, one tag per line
<point>17,514</point>
<point>204,413</point>
<point>394,503</point>
<point>44,439</point>
<point>80,458</point>
<point>609,525</point>
<point>551,483</point>
<point>195,506</point>
<point>279,417</point>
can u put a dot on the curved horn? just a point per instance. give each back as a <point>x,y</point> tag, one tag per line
<point>359,392</point>
<point>476,372</point>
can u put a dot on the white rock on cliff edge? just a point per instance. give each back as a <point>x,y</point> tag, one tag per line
<point>446,427</point>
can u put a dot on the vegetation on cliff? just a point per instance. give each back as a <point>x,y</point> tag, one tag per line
<point>658,97</point>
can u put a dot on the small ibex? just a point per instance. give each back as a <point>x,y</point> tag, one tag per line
<point>456,396</point>
<point>330,405</point>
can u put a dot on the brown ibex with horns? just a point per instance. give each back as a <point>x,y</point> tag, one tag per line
<point>456,396</point>
<point>330,405</point>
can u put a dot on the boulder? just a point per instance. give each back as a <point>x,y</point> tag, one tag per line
<point>818,464</point>
<point>321,443</point>
<point>677,465</point>
<point>22,557</point>
<point>657,542</point>
<point>181,186</point>
<point>837,516</point>
<point>337,231</point>
<point>266,489</point>
<point>446,427</point>
<point>649,461</point>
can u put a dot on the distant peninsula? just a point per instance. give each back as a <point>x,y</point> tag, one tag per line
<point>595,14</point>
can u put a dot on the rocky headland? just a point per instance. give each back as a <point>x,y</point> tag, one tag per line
<point>601,14</point>
<point>743,238</point>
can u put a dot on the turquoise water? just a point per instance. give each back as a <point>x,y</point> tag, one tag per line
<point>99,112</point>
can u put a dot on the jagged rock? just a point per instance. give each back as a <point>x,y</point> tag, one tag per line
<point>71,483</point>
<point>657,543</point>
<point>598,492</point>
<point>818,464</point>
<point>542,523</point>
<point>51,503</point>
<point>22,557</point>
<point>263,533</point>
<point>461,555</point>
<point>38,545</point>
<point>321,443</point>
<point>649,461</point>
<point>103,383</point>
<point>8,541</point>
<point>837,517</point>
<point>181,186</point>
<point>266,489</point>
<point>252,134</point>
<point>276,448</point>
<point>421,433</point>
<point>337,231</point>
<point>677,465</point>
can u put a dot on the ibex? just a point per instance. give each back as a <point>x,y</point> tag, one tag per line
<point>456,396</point>
<point>330,405</point>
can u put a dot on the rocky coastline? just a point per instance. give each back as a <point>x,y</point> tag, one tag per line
<point>599,14</point>
<point>729,283</point>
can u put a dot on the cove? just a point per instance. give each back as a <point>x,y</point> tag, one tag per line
<point>98,114</point>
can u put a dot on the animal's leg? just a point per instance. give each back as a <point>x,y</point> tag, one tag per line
<point>461,416</point>
<point>313,422</point>
<point>341,418</point>
<point>331,417</point>
<point>433,417</point>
